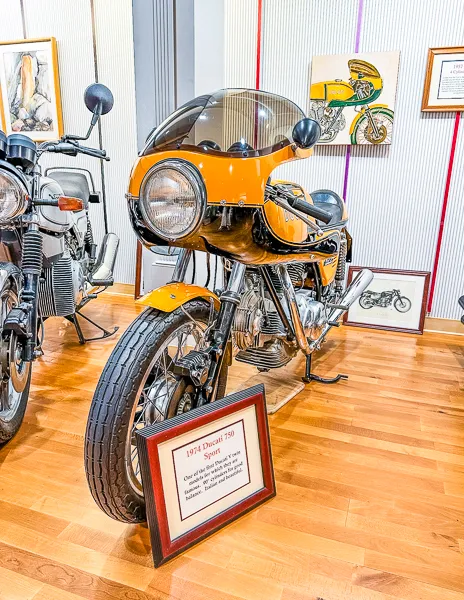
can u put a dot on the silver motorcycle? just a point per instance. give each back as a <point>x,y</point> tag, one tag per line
<point>48,256</point>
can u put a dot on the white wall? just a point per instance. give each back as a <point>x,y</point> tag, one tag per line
<point>394,193</point>
<point>70,22</point>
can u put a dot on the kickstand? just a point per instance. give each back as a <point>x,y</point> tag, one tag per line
<point>82,339</point>
<point>311,377</point>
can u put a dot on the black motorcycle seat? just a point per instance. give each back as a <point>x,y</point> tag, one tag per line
<point>330,202</point>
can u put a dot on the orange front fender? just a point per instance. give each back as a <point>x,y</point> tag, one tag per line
<point>169,297</point>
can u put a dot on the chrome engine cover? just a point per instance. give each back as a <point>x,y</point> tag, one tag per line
<point>312,313</point>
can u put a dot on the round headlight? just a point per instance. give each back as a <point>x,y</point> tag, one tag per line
<point>12,197</point>
<point>172,199</point>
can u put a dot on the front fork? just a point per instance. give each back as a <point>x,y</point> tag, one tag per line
<point>23,319</point>
<point>218,337</point>
<point>372,122</point>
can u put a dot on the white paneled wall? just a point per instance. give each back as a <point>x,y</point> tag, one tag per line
<point>293,32</point>
<point>70,22</point>
<point>400,189</point>
<point>240,27</point>
<point>115,60</point>
<point>394,193</point>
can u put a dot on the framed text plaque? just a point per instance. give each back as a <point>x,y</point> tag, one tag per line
<point>205,468</point>
<point>444,80</point>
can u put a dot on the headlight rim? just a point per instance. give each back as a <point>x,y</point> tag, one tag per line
<point>193,175</point>
<point>21,205</point>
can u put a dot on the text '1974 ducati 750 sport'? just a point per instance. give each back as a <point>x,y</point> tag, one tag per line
<point>202,182</point>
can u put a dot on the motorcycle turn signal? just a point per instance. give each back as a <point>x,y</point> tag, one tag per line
<point>70,203</point>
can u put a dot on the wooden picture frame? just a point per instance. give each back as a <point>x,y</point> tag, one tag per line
<point>28,65</point>
<point>188,501</point>
<point>441,79</point>
<point>417,305</point>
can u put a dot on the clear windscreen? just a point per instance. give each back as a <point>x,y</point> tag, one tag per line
<point>232,122</point>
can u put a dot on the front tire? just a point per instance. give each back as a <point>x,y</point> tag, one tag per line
<point>135,389</point>
<point>17,374</point>
<point>363,133</point>
<point>402,304</point>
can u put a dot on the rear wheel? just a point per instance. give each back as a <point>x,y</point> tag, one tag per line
<point>16,374</point>
<point>366,302</point>
<point>138,388</point>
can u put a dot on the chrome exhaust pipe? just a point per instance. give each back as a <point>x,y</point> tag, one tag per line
<point>352,293</point>
<point>102,274</point>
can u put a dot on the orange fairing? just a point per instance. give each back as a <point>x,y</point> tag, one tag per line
<point>230,181</point>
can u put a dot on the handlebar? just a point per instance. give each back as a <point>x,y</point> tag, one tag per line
<point>309,209</point>
<point>73,149</point>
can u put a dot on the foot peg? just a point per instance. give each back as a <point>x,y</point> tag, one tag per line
<point>102,275</point>
<point>312,377</point>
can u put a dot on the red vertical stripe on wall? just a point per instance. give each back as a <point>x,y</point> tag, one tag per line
<point>258,45</point>
<point>443,211</point>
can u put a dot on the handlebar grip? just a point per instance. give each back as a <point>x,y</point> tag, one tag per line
<point>309,209</point>
<point>94,152</point>
<point>62,148</point>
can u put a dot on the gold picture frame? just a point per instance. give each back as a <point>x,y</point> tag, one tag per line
<point>445,80</point>
<point>30,97</point>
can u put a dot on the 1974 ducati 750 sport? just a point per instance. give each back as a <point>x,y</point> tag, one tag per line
<point>47,252</point>
<point>202,182</point>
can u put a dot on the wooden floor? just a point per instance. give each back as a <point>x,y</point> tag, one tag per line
<point>370,485</point>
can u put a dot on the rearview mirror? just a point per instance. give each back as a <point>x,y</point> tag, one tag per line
<point>98,99</point>
<point>306,133</point>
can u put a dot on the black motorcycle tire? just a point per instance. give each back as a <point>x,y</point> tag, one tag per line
<point>111,408</point>
<point>9,427</point>
<point>402,304</point>
<point>364,304</point>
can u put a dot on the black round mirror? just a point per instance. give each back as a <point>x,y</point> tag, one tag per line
<point>306,133</point>
<point>98,99</point>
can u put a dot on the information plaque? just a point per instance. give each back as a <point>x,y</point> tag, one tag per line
<point>205,468</point>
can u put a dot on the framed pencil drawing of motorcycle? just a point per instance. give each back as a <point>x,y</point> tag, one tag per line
<point>394,300</point>
<point>352,97</point>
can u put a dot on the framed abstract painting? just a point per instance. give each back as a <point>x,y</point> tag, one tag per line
<point>30,99</point>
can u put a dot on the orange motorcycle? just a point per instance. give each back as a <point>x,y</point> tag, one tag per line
<point>203,182</point>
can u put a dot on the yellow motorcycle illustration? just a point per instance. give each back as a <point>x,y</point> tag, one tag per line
<point>373,123</point>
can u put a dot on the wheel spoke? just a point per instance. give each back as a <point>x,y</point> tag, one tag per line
<point>159,386</point>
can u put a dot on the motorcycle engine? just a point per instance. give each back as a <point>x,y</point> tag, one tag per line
<point>258,334</point>
<point>63,283</point>
<point>326,117</point>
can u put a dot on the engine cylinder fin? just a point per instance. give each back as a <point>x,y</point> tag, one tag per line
<point>56,290</point>
<point>271,356</point>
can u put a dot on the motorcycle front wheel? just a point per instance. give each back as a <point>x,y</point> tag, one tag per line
<point>138,388</point>
<point>402,304</point>
<point>363,132</point>
<point>15,384</point>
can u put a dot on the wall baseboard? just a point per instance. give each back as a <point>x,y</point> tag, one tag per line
<point>444,325</point>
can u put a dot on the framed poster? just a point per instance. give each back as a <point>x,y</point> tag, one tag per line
<point>203,469</point>
<point>30,99</point>
<point>444,80</point>
<point>352,96</point>
<point>394,300</point>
